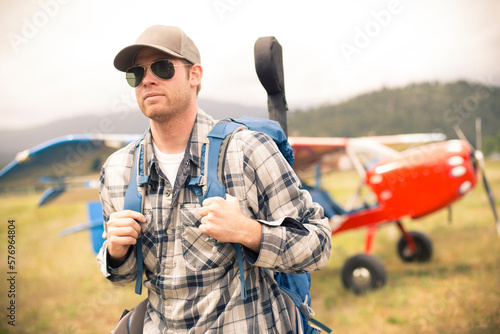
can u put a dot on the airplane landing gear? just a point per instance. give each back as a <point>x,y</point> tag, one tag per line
<point>363,272</point>
<point>422,248</point>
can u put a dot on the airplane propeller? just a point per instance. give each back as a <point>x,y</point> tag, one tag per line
<point>479,156</point>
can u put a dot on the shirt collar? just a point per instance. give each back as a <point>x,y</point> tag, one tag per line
<point>202,126</point>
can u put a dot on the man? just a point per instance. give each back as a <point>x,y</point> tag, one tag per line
<point>193,284</point>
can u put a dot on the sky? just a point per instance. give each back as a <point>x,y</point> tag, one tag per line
<point>56,56</point>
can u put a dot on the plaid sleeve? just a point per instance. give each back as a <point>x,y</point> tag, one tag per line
<point>296,235</point>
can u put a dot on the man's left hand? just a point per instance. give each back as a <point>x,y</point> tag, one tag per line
<point>223,220</point>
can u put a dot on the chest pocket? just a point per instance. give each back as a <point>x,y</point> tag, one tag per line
<point>198,249</point>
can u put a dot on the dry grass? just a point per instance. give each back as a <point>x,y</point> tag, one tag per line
<point>60,289</point>
<point>59,286</point>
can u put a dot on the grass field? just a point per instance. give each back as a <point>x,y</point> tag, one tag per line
<point>59,288</point>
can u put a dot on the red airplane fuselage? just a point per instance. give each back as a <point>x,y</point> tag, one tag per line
<point>418,182</point>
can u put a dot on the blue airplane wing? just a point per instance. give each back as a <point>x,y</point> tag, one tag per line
<point>62,160</point>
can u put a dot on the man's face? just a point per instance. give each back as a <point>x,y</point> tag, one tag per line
<point>159,99</point>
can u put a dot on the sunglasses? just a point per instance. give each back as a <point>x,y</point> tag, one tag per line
<point>162,69</point>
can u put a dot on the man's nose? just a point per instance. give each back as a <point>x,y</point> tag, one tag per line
<point>149,77</point>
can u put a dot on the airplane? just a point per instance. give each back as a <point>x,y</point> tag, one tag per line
<point>411,183</point>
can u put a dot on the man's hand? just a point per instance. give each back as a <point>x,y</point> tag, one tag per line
<point>123,231</point>
<point>223,220</point>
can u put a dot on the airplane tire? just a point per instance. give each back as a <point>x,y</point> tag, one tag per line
<point>423,244</point>
<point>362,273</point>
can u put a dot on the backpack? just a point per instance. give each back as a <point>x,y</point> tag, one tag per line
<point>295,287</point>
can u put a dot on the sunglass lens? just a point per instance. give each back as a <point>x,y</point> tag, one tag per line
<point>134,76</point>
<point>163,69</point>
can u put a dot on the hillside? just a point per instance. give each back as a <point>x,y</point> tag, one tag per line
<point>425,107</point>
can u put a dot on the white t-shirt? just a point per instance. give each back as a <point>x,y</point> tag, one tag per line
<point>169,163</point>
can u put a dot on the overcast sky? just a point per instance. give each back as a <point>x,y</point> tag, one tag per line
<point>56,56</point>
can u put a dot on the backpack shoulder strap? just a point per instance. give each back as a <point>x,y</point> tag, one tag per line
<point>134,201</point>
<point>218,140</point>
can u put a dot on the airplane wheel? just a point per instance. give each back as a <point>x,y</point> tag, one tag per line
<point>363,272</point>
<point>423,252</point>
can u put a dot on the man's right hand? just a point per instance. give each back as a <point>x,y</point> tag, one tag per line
<point>123,231</point>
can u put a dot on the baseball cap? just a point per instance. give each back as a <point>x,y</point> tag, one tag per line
<point>168,39</point>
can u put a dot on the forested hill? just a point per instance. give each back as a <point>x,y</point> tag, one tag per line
<point>424,107</point>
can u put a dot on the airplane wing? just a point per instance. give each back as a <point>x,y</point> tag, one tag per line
<point>63,162</point>
<point>312,150</point>
<point>409,138</point>
<point>329,150</point>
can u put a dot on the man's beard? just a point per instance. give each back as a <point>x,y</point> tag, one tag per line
<point>174,109</point>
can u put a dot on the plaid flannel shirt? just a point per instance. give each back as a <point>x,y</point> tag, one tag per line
<point>194,286</point>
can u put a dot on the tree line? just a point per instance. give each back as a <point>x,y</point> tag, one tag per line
<point>415,108</point>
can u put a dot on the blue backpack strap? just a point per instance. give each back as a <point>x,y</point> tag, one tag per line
<point>133,201</point>
<point>216,138</point>
<point>196,184</point>
<point>239,256</point>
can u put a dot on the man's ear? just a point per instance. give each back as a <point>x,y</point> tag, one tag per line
<point>196,75</point>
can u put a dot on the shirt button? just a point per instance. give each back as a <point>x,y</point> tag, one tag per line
<point>167,271</point>
<point>167,302</point>
<point>167,193</point>
<point>170,231</point>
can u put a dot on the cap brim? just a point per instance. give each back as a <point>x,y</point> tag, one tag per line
<point>125,58</point>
